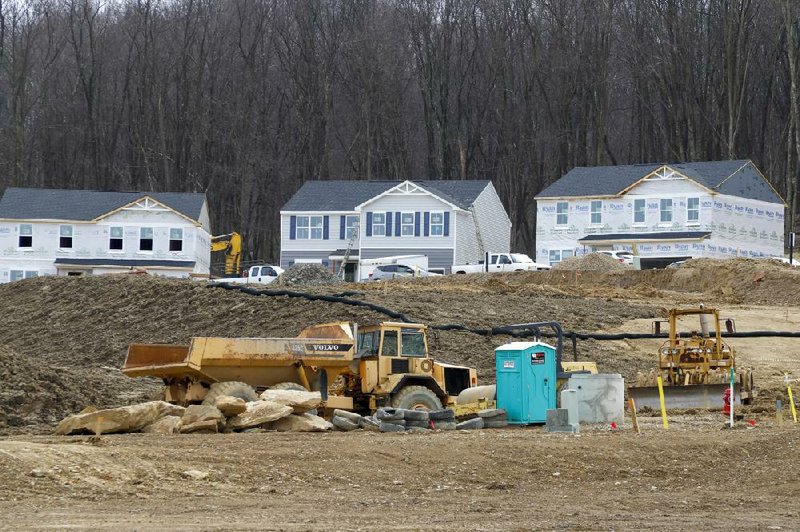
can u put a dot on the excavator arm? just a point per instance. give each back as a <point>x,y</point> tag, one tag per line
<point>231,244</point>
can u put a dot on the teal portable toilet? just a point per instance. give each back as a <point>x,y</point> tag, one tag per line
<point>526,381</point>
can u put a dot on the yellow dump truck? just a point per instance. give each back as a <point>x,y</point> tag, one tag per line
<point>385,364</point>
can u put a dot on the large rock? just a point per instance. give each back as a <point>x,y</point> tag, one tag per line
<point>165,425</point>
<point>123,419</point>
<point>258,413</point>
<point>302,423</point>
<point>200,413</point>
<point>300,401</point>
<point>230,406</point>
<point>207,426</point>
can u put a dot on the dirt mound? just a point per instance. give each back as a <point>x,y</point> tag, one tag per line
<point>592,262</point>
<point>307,275</point>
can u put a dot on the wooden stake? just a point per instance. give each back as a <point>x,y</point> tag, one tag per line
<point>664,420</point>
<point>634,419</point>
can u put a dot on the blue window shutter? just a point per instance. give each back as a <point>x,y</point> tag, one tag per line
<point>416,223</point>
<point>397,224</point>
<point>388,224</point>
<point>292,227</point>
<point>326,225</point>
<point>342,230</point>
<point>446,224</point>
<point>369,224</point>
<point>326,263</point>
<point>427,224</point>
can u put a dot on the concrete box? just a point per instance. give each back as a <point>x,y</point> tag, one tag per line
<point>601,397</point>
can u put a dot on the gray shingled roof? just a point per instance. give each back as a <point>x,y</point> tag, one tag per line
<point>346,195</point>
<point>84,205</point>
<point>735,178</point>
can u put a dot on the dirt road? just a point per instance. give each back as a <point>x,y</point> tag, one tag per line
<point>694,476</point>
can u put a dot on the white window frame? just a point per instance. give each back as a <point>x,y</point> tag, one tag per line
<point>598,211</point>
<point>302,229</point>
<point>12,278</point>
<point>351,225</point>
<point>559,214</point>
<point>436,228</point>
<point>406,228</point>
<point>152,239</point>
<point>643,211</point>
<point>689,211</point>
<point>316,225</point>
<point>71,237</point>
<point>379,222</point>
<point>121,238</point>
<point>29,233</point>
<point>171,240</point>
<point>665,208</point>
<point>560,255</point>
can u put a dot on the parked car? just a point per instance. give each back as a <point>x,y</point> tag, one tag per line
<point>261,274</point>
<point>620,256</point>
<point>394,271</point>
<point>501,262</point>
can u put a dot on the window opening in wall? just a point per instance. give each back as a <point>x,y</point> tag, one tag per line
<point>407,224</point>
<point>379,224</point>
<point>351,224</point>
<point>25,235</point>
<point>115,240</point>
<point>145,239</point>
<point>316,227</point>
<point>666,210</point>
<point>437,224</point>
<point>597,212</point>
<point>693,209</point>
<point>16,275</point>
<point>639,211</point>
<point>31,275</point>
<point>65,237</point>
<point>176,239</point>
<point>562,213</point>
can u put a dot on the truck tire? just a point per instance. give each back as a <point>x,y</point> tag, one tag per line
<point>416,398</point>
<point>238,389</point>
<point>288,386</point>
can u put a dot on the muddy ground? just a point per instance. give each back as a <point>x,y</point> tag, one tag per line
<point>64,339</point>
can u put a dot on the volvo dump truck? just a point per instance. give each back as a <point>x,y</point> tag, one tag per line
<point>360,369</point>
<point>695,366</point>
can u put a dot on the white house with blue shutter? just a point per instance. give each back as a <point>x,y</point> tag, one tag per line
<point>450,222</point>
<point>663,212</point>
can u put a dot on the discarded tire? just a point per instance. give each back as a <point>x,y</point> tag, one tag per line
<point>471,424</point>
<point>495,424</point>
<point>443,415</point>
<point>388,414</point>
<point>415,415</point>
<point>352,416</point>
<point>418,424</point>
<point>444,425</point>
<point>416,397</point>
<point>491,412</point>
<point>344,424</point>
<point>369,423</point>
<point>238,389</point>
<point>391,427</point>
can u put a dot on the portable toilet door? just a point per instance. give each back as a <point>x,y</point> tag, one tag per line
<point>541,383</point>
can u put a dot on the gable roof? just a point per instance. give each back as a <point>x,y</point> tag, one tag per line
<point>87,205</point>
<point>736,178</point>
<point>346,195</point>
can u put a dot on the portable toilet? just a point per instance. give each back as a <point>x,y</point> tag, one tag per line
<point>526,381</point>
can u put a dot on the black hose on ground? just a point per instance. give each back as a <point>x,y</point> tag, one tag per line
<point>507,330</point>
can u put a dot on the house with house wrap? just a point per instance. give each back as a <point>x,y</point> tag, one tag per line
<point>77,232</point>
<point>449,222</point>
<point>661,212</point>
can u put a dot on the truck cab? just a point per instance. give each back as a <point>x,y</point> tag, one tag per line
<point>396,369</point>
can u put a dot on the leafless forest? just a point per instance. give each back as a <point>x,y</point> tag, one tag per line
<point>247,99</point>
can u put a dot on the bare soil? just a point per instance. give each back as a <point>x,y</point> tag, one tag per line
<point>64,339</point>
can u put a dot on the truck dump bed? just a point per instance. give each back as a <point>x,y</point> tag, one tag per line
<point>256,361</point>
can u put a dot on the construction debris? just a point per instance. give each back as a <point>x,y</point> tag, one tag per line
<point>307,275</point>
<point>597,262</point>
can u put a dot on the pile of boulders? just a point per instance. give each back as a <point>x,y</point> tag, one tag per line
<point>402,420</point>
<point>281,410</point>
<point>307,275</point>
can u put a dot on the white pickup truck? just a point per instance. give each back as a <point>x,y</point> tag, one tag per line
<point>261,274</point>
<point>501,262</point>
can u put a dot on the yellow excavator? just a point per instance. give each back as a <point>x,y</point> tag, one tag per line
<point>694,367</point>
<point>231,244</point>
